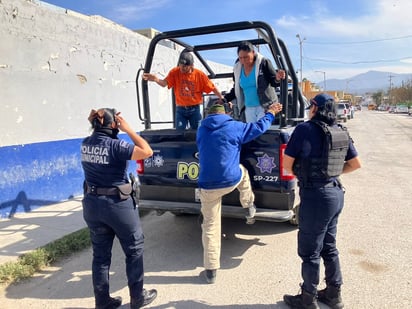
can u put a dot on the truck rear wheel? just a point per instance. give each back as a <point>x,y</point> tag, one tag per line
<point>295,218</point>
<point>181,214</point>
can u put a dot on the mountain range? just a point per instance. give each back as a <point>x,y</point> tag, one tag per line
<point>369,82</point>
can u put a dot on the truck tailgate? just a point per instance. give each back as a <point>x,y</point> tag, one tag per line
<point>171,174</point>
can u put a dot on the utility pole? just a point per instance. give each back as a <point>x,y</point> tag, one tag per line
<point>390,89</point>
<point>324,79</point>
<point>300,49</point>
<point>347,84</point>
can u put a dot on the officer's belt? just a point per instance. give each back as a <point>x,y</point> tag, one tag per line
<point>102,191</point>
<point>314,185</point>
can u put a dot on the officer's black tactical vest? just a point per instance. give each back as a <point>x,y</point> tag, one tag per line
<point>330,164</point>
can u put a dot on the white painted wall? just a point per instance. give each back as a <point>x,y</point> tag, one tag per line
<point>56,64</point>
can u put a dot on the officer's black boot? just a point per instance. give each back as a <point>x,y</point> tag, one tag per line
<point>304,300</point>
<point>331,296</point>
<point>112,303</point>
<point>147,297</point>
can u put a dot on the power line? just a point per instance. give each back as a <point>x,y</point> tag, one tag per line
<point>358,62</point>
<point>360,42</point>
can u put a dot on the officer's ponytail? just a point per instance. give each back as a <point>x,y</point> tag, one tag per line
<point>326,113</point>
<point>102,119</point>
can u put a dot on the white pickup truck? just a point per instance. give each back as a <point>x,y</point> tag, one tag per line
<point>342,111</point>
<point>401,109</point>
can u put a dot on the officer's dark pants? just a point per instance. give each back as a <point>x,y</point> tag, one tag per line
<point>318,218</point>
<point>107,217</point>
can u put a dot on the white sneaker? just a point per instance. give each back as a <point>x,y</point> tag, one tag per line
<point>252,211</point>
<point>251,215</point>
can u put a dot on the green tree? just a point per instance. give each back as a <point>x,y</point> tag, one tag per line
<point>403,94</point>
<point>378,97</point>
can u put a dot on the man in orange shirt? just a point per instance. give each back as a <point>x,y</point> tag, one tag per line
<point>188,84</point>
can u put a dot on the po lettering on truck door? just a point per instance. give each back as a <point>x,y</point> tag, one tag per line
<point>187,169</point>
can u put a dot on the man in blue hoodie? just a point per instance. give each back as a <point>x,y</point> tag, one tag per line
<point>219,140</point>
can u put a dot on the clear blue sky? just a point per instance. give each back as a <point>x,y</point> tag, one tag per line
<point>340,38</point>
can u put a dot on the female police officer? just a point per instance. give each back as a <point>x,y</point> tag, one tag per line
<point>108,208</point>
<point>317,153</point>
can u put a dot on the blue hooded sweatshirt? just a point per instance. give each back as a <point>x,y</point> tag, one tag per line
<point>219,140</point>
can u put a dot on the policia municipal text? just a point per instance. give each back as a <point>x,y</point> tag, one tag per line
<point>108,207</point>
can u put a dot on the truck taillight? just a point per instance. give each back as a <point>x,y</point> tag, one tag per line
<point>284,175</point>
<point>140,167</point>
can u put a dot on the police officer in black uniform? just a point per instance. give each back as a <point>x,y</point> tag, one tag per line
<point>108,207</point>
<point>319,151</point>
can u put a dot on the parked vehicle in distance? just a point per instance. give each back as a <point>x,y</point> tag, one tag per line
<point>410,110</point>
<point>401,109</point>
<point>348,108</point>
<point>342,112</point>
<point>391,109</point>
<point>371,106</point>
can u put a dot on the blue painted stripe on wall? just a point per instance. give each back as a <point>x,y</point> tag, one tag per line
<point>40,174</point>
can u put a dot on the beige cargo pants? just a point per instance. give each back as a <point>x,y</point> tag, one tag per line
<point>211,210</point>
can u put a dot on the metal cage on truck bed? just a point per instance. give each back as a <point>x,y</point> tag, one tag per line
<point>169,178</point>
